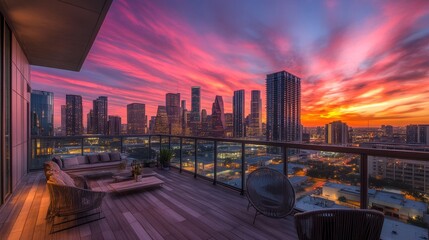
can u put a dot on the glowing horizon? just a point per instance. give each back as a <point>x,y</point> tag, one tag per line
<point>365,63</point>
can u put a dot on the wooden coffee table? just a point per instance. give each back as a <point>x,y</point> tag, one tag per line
<point>130,185</point>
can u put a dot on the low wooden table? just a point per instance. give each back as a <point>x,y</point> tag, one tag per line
<point>146,182</point>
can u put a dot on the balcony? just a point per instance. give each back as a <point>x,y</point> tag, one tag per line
<point>204,190</point>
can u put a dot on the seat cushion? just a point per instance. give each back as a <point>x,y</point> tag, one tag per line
<point>69,162</point>
<point>51,165</point>
<point>56,178</point>
<point>82,159</point>
<point>93,158</point>
<point>67,179</point>
<point>104,157</point>
<point>115,156</point>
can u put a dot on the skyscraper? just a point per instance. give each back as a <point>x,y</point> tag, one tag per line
<point>336,132</point>
<point>74,115</point>
<point>161,121</point>
<point>172,105</point>
<point>42,113</point>
<point>100,115</point>
<point>229,125</point>
<point>195,104</point>
<point>114,125</point>
<point>283,107</point>
<point>218,118</point>
<point>136,118</point>
<point>255,114</point>
<point>63,120</point>
<point>238,108</point>
<point>90,122</point>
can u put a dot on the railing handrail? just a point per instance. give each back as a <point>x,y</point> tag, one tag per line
<point>390,153</point>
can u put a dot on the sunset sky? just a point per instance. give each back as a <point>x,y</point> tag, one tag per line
<point>363,62</point>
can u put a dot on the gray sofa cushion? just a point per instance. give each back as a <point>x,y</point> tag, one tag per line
<point>93,158</point>
<point>71,161</point>
<point>94,165</point>
<point>115,156</point>
<point>82,159</point>
<point>104,157</point>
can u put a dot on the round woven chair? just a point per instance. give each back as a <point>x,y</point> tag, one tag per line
<point>270,193</point>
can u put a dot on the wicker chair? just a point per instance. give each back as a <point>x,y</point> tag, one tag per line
<point>332,224</point>
<point>270,193</point>
<point>72,203</point>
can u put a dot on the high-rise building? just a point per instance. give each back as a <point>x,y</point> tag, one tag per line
<point>161,121</point>
<point>387,130</point>
<point>90,122</point>
<point>195,104</point>
<point>63,120</point>
<point>42,113</point>
<point>74,115</point>
<point>152,121</point>
<point>255,125</point>
<point>172,105</point>
<point>229,125</point>
<point>418,134</point>
<point>100,115</point>
<point>136,118</point>
<point>238,111</point>
<point>114,125</point>
<point>336,132</point>
<point>218,118</point>
<point>283,92</point>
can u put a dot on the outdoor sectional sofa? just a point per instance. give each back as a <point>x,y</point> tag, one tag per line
<point>93,164</point>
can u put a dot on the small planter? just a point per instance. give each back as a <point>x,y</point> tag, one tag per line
<point>138,178</point>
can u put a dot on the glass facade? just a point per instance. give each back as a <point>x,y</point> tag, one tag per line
<point>42,113</point>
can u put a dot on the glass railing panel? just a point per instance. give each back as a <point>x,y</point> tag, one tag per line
<point>99,144</point>
<point>229,163</point>
<point>155,144</point>
<point>175,148</point>
<point>263,156</point>
<point>400,189</point>
<point>205,158</point>
<point>43,149</point>
<point>324,180</point>
<point>188,154</point>
<point>137,148</point>
<point>165,142</point>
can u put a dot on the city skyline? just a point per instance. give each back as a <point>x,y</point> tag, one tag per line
<point>362,63</point>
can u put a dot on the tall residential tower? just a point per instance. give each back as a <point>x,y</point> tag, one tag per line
<point>283,107</point>
<point>42,113</point>
<point>136,118</point>
<point>238,107</point>
<point>74,115</point>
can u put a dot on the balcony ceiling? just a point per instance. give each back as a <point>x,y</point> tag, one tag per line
<point>55,33</point>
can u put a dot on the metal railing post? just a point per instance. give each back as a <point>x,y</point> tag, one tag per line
<point>169,142</point>
<point>180,155</point>
<point>215,163</point>
<point>243,171</point>
<point>160,142</point>
<point>285,160</point>
<point>363,181</point>
<point>195,158</point>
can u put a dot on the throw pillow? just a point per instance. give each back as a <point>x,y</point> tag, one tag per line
<point>70,162</point>
<point>55,178</point>
<point>93,158</point>
<point>115,156</point>
<point>52,166</point>
<point>58,160</point>
<point>82,159</point>
<point>66,179</point>
<point>104,157</point>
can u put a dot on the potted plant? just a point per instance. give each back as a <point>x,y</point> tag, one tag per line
<point>165,156</point>
<point>136,170</point>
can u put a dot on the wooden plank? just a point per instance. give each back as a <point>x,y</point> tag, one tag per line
<point>133,185</point>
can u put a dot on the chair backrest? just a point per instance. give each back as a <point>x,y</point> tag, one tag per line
<point>338,224</point>
<point>270,192</point>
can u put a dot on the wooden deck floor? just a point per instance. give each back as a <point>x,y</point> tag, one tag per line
<point>184,208</point>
